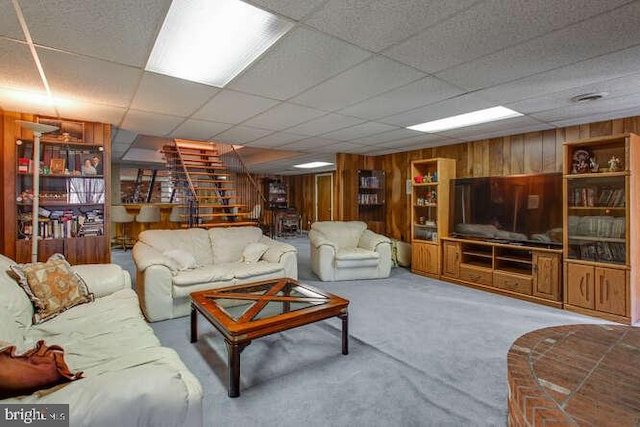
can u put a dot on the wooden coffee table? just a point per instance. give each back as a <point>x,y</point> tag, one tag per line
<point>244,312</point>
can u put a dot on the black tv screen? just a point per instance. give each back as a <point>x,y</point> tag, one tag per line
<point>513,209</point>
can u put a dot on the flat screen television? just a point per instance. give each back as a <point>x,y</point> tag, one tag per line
<point>517,209</point>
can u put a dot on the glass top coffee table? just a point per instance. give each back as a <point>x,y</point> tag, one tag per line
<point>242,313</point>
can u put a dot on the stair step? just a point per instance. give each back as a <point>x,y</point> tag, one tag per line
<point>218,166</point>
<point>226,224</point>
<point>192,150</point>
<point>209,174</point>
<point>212,206</point>
<point>223,214</point>
<point>215,196</point>
<point>173,152</point>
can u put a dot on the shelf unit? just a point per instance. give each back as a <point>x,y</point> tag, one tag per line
<point>73,216</point>
<point>525,272</point>
<point>370,201</point>
<point>600,240</point>
<point>429,212</point>
<point>276,194</point>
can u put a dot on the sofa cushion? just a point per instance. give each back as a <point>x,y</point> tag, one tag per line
<point>204,274</point>
<point>52,286</point>
<point>39,368</point>
<point>253,252</point>
<point>16,301</point>
<point>228,243</point>
<point>193,240</point>
<point>183,260</point>
<point>344,234</point>
<point>356,257</point>
<point>10,331</point>
<point>256,269</point>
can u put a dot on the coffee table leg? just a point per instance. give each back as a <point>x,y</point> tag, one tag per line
<point>345,332</point>
<point>194,324</point>
<point>233,352</point>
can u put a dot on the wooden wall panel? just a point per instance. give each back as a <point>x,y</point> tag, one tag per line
<point>517,155</point>
<point>549,151</point>
<point>532,161</point>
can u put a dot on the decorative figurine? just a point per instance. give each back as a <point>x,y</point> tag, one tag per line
<point>614,164</point>
<point>593,166</point>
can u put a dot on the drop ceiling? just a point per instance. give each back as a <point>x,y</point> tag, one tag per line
<point>348,78</point>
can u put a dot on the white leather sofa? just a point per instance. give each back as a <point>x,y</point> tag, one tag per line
<point>347,250</point>
<point>217,260</point>
<point>129,379</point>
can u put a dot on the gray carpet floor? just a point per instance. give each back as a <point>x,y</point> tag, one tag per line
<point>422,352</point>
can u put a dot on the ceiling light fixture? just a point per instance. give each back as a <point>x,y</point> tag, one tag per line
<point>468,119</point>
<point>312,165</point>
<point>588,97</point>
<point>211,42</point>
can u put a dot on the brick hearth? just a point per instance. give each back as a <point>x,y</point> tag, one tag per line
<point>575,375</point>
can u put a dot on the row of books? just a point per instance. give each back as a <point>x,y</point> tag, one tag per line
<point>594,197</point>
<point>367,199</point>
<point>63,224</point>
<point>369,182</point>
<point>600,252</point>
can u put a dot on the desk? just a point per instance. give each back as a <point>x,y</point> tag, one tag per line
<point>575,375</point>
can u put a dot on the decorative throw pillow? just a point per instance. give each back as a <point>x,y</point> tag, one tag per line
<point>52,286</point>
<point>253,252</point>
<point>184,260</point>
<point>37,369</point>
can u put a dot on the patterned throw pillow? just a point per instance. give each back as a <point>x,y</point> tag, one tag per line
<point>52,286</point>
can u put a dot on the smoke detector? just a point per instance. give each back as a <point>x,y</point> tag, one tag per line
<point>589,97</point>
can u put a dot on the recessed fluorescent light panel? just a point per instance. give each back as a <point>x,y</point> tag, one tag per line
<point>312,165</point>
<point>212,41</point>
<point>468,119</point>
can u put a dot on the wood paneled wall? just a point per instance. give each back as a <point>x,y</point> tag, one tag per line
<point>535,152</point>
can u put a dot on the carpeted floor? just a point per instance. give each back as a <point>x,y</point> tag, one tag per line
<point>422,352</point>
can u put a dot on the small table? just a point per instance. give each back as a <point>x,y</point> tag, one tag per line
<point>253,310</point>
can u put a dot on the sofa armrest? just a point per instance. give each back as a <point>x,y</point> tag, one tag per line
<point>145,256</point>
<point>103,279</point>
<point>370,240</point>
<point>318,239</point>
<point>282,253</point>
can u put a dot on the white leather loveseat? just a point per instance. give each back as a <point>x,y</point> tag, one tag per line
<point>128,378</point>
<point>171,264</point>
<point>347,250</point>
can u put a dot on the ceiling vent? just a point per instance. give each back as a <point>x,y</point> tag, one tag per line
<point>588,97</point>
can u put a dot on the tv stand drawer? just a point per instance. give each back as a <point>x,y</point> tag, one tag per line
<point>512,283</point>
<point>476,275</point>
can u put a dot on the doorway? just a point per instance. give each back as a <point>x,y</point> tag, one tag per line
<point>324,197</point>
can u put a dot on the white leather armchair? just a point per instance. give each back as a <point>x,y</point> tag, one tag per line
<point>347,250</point>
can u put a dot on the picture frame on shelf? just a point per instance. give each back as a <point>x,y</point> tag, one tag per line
<point>68,131</point>
<point>57,166</point>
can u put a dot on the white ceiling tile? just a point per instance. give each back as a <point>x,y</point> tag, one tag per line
<point>504,127</point>
<point>233,107</point>
<point>342,147</point>
<point>614,88</point>
<point>17,68</point>
<point>585,109</point>
<point>411,141</point>
<point>122,32</point>
<point>92,112</point>
<point>393,135</point>
<point>592,71</point>
<point>516,130</point>
<point>276,139</point>
<point>311,145</point>
<point>600,116</point>
<point>422,92</point>
<point>123,136</point>
<point>9,25</point>
<point>146,123</point>
<point>450,107</point>
<point>295,9</point>
<point>376,24</point>
<point>359,131</point>
<point>297,62</point>
<point>283,116</point>
<point>163,94</point>
<point>92,80</point>
<point>199,129</point>
<point>605,33</point>
<point>23,102</point>
<point>325,124</point>
<point>241,135</point>
<point>490,26</point>
<point>372,77</point>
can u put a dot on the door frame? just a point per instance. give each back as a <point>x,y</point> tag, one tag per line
<point>315,195</point>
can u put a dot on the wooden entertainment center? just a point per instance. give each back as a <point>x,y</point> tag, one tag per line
<point>526,272</point>
<point>596,270</point>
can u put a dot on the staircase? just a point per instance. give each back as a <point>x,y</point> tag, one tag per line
<point>205,186</point>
